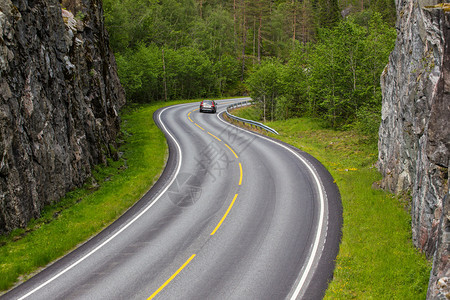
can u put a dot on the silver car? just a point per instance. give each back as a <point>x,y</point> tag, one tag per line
<point>208,106</point>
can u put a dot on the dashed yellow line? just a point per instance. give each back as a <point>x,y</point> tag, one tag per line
<point>214,136</point>
<point>199,126</point>
<point>171,277</point>
<point>225,215</point>
<point>218,225</point>
<point>232,150</point>
<point>240,178</point>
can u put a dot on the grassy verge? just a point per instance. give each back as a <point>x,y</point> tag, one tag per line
<point>85,211</point>
<point>376,258</point>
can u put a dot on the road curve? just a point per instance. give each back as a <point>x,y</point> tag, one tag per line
<point>235,215</point>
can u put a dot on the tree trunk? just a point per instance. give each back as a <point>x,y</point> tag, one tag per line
<point>259,35</point>
<point>164,76</point>
<point>234,26</point>
<point>305,38</point>
<point>264,108</point>
<point>294,22</point>
<point>244,39</point>
<point>271,114</point>
<point>254,40</point>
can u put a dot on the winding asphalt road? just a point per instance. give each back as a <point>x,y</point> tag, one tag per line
<point>235,215</point>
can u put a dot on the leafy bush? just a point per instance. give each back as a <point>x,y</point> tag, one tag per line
<point>335,78</point>
<point>151,73</point>
<point>368,122</point>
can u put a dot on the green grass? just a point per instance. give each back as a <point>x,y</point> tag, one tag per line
<point>85,211</point>
<point>248,112</point>
<point>376,258</point>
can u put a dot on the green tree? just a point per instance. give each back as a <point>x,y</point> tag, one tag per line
<point>226,72</point>
<point>378,45</point>
<point>294,83</point>
<point>316,63</point>
<point>327,13</point>
<point>214,34</point>
<point>264,86</point>
<point>278,41</point>
<point>140,72</point>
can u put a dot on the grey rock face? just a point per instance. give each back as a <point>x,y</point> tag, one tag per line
<point>414,137</point>
<point>59,102</point>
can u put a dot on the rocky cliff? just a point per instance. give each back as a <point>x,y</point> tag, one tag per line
<point>59,102</point>
<point>414,137</point>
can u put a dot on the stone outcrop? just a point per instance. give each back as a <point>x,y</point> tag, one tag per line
<point>59,102</point>
<point>414,137</point>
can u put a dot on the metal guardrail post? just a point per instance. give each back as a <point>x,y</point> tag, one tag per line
<point>250,122</point>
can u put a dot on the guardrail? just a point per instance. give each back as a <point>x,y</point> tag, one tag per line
<point>250,122</point>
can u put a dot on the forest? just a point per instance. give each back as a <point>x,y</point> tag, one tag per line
<point>316,58</point>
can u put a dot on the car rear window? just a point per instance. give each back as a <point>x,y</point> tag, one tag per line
<point>207,102</point>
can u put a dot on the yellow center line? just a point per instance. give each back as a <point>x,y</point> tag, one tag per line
<point>189,113</point>
<point>232,151</point>
<point>196,109</point>
<point>225,215</point>
<point>214,136</point>
<point>240,179</point>
<point>199,126</point>
<point>190,119</point>
<point>172,277</point>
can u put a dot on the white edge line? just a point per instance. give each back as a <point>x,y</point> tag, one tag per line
<point>322,211</point>
<point>123,228</point>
